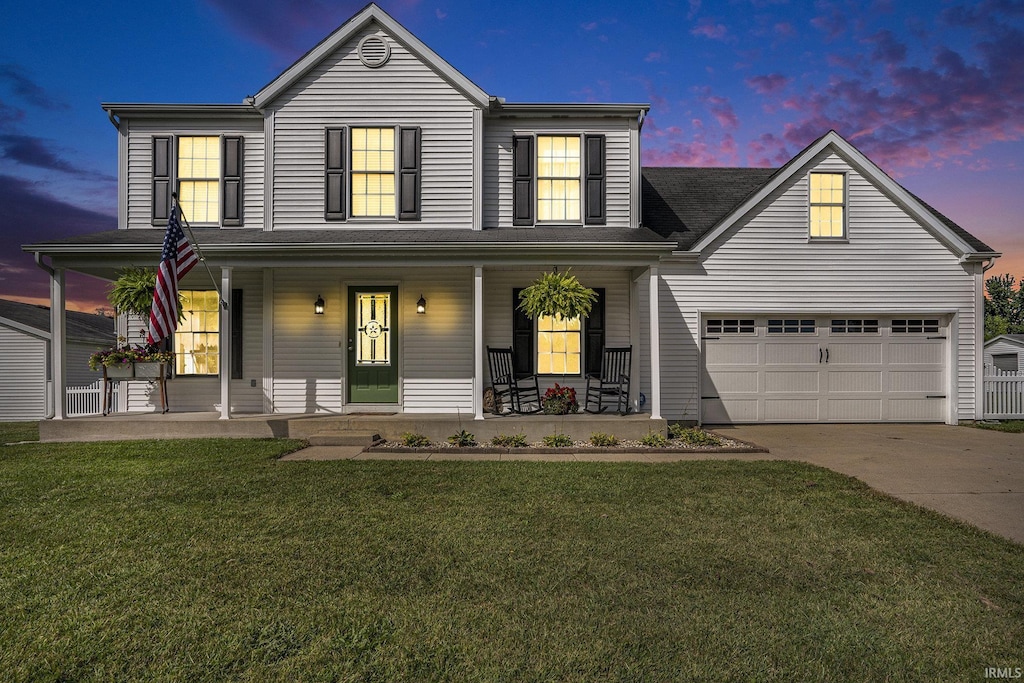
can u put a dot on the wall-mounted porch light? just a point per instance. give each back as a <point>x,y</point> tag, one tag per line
<point>421,305</point>
<point>318,305</point>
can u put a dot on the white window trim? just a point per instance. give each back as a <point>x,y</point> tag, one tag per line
<point>352,217</point>
<point>845,237</point>
<point>537,178</point>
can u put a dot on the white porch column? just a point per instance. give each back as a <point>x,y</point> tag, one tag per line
<point>655,346</point>
<point>58,329</point>
<point>478,342</point>
<point>225,343</point>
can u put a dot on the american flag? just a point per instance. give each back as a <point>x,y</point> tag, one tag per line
<point>177,258</point>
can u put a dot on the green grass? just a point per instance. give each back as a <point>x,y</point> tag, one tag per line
<point>13,432</point>
<point>211,561</point>
<point>1012,426</point>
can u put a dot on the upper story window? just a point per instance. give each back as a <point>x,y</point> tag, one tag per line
<point>199,178</point>
<point>828,205</point>
<point>205,171</point>
<point>558,178</point>
<point>373,172</point>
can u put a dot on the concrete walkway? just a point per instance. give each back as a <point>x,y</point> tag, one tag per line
<point>970,474</point>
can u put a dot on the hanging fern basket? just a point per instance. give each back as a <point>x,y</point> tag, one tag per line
<point>557,294</point>
<point>132,291</point>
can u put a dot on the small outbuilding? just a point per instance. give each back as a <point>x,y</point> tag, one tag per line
<point>1005,352</point>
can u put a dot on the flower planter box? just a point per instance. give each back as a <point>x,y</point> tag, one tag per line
<point>150,370</point>
<point>122,371</point>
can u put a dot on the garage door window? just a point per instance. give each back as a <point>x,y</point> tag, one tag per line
<point>787,326</point>
<point>918,326</point>
<point>1007,362</point>
<point>855,326</point>
<point>730,326</point>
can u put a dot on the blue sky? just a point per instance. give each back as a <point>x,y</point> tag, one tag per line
<point>932,91</point>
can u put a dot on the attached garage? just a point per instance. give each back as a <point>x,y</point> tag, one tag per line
<point>824,368</point>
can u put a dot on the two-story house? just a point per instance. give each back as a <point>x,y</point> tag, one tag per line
<point>370,216</point>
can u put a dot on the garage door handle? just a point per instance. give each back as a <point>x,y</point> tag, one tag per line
<point>936,337</point>
<point>819,354</point>
<point>710,337</point>
<point>935,396</point>
<point>826,355</point>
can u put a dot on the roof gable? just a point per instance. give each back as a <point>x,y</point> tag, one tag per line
<point>1014,339</point>
<point>955,238</point>
<point>344,33</point>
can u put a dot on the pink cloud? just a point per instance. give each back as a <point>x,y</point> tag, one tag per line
<point>674,147</point>
<point>655,57</point>
<point>710,30</point>
<point>784,29</point>
<point>767,151</point>
<point>721,108</point>
<point>769,84</point>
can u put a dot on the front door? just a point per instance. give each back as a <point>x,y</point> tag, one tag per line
<point>372,345</point>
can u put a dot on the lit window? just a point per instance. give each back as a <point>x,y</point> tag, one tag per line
<point>197,339</point>
<point>199,179</point>
<point>558,178</point>
<point>373,171</point>
<point>828,200</point>
<point>558,345</point>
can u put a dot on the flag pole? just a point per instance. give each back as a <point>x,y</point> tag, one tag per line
<point>198,250</point>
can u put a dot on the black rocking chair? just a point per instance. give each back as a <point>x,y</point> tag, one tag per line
<point>515,391</point>
<point>611,383</point>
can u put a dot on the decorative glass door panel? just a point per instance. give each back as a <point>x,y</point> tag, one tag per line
<point>372,343</point>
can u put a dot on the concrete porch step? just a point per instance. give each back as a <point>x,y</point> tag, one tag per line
<point>346,438</point>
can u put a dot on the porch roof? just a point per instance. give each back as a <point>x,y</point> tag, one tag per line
<point>99,252</point>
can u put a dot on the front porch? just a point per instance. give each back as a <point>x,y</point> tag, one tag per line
<point>435,426</point>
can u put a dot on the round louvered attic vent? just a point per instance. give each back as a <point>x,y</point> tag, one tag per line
<point>374,51</point>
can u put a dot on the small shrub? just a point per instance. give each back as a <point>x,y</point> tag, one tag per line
<point>462,438</point>
<point>558,440</point>
<point>602,439</point>
<point>693,436</point>
<point>559,400</point>
<point>415,440</point>
<point>510,441</point>
<point>654,440</point>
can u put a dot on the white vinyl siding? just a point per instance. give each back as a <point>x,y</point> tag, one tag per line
<point>891,265</point>
<point>23,368</point>
<point>498,135</point>
<point>340,91</point>
<point>140,164</point>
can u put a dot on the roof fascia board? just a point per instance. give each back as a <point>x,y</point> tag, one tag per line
<point>344,33</point>
<point>867,167</point>
<point>573,109</point>
<point>132,110</point>
<point>27,329</point>
<point>1005,338</point>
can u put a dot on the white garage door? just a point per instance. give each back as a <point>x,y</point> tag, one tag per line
<point>800,368</point>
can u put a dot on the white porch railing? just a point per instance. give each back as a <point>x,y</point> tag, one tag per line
<point>87,400</point>
<point>1004,394</point>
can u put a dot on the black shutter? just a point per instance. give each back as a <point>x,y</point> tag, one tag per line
<point>593,331</point>
<point>236,334</point>
<point>522,180</point>
<point>334,174</point>
<point>409,174</point>
<point>594,180</point>
<point>162,163</point>
<point>522,338</point>
<point>231,194</point>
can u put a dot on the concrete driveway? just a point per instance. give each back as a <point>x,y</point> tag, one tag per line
<point>974,475</point>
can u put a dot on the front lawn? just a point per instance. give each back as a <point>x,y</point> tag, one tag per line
<point>1012,426</point>
<point>211,561</point>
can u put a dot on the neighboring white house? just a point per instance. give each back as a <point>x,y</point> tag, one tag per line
<point>25,356</point>
<point>1005,352</point>
<point>372,175</point>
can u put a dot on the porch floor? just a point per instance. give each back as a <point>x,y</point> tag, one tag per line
<point>436,427</point>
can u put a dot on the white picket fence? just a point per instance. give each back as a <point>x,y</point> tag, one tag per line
<point>1004,394</point>
<point>87,400</point>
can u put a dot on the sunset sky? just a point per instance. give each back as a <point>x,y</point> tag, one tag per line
<point>931,91</point>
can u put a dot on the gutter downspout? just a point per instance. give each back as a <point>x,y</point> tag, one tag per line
<point>113,119</point>
<point>52,407</point>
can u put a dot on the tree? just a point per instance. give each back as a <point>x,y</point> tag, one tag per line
<point>1004,306</point>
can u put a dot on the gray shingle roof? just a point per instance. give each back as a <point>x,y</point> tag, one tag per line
<point>684,203</point>
<point>80,326</point>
